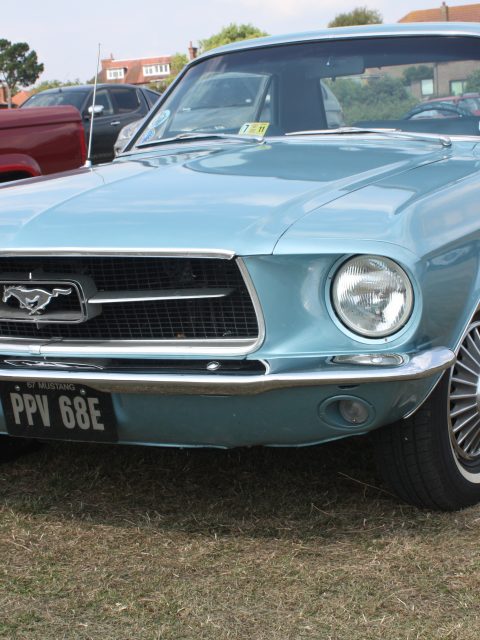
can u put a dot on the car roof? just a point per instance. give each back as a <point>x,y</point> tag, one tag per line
<point>364,31</point>
<point>464,96</point>
<point>83,87</point>
<point>444,99</point>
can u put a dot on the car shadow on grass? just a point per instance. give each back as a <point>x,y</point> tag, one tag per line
<point>324,491</point>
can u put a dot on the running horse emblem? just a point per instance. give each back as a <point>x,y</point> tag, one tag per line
<point>34,300</point>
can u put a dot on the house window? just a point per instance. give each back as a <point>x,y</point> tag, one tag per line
<point>427,87</point>
<point>457,87</point>
<point>115,74</point>
<point>156,70</point>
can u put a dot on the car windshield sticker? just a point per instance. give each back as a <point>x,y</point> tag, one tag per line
<point>155,127</point>
<point>254,129</point>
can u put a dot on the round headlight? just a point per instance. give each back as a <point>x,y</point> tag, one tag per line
<point>372,296</point>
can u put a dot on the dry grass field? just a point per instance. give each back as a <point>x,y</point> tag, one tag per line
<point>128,543</point>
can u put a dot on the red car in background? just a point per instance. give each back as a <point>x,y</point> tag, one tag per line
<point>468,101</point>
<point>40,141</point>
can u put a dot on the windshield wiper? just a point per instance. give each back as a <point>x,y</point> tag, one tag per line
<point>396,133</point>
<point>187,137</point>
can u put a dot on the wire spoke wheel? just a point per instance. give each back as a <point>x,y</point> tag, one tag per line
<point>432,458</point>
<point>464,399</point>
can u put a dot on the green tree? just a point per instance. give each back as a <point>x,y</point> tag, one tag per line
<point>473,82</point>
<point>415,74</point>
<point>359,15</point>
<point>19,66</point>
<point>375,99</point>
<point>54,84</point>
<point>177,62</point>
<point>232,33</point>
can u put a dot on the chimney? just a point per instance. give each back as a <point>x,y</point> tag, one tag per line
<point>444,10</point>
<point>192,51</point>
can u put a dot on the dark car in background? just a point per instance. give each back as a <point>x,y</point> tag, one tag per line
<point>115,106</point>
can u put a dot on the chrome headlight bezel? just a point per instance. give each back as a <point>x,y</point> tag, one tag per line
<point>390,267</point>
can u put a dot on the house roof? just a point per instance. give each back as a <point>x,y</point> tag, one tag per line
<point>20,97</point>
<point>154,60</point>
<point>133,67</point>
<point>445,13</point>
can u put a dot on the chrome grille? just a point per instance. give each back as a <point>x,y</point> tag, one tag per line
<point>204,318</point>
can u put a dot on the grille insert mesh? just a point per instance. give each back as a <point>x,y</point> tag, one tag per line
<point>231,317</point>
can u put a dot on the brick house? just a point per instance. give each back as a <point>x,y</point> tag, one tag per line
<point>3,97</point>
<point>444,13</point>
<point>17,99</point>
<point>20,97</point>
<point>135,71</point>
<point>446,79</point>
<point>139,70</point>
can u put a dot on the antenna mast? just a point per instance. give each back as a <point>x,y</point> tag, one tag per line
<point>88,163</point>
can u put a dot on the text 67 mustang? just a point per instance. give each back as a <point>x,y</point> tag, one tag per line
<point>287,252</point>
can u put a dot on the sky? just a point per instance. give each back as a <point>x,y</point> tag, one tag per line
<point>66,35</point>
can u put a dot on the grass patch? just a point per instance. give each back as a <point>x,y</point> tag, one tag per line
<point>131,543</point>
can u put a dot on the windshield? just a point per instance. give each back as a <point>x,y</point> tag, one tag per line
<point>365,82</point>
<point>74,98</point>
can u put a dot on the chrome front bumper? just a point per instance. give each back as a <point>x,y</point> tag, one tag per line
<point>420,365</point>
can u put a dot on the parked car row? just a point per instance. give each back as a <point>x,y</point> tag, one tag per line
<point>116,106</point>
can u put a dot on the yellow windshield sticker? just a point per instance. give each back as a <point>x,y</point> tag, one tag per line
<point>254,129</point>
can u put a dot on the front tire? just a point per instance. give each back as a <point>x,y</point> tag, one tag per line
<point>432,459</point>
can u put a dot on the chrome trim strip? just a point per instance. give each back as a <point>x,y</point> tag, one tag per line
<point>370,359</point>
<point>140,252</point>
<point>201,137</point>
<point>134,348</point>
<point>420,365</point>
<point>40,364</point>
<point>151,295</point>
<point>445,141</point>
<point>256,305</point>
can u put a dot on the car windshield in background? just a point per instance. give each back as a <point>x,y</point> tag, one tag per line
<point>472,104</point>
<point>408,83</point>
<point>45,99</point>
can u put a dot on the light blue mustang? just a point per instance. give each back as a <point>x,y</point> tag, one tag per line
<point>287,252</point>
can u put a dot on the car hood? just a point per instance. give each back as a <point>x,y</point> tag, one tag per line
<point>234,196</point>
